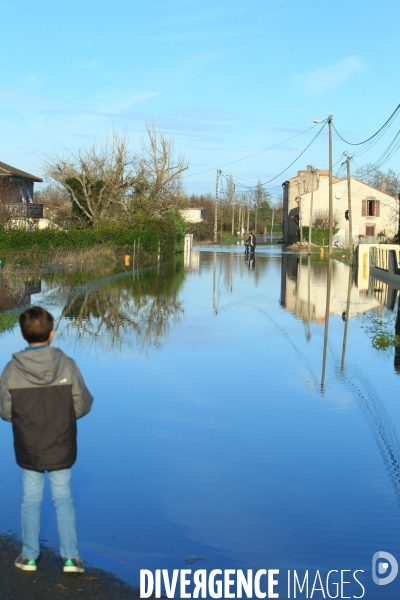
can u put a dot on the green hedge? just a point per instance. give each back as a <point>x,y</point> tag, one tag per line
<point>151,233</point>
<point>318,236</point>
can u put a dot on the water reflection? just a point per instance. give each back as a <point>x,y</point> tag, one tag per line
<point>304,290</point>
<point>16,292</point>
<point>114,311</point>
<point>129,310</point>
<point>256,467</point>
<point>318,291</point>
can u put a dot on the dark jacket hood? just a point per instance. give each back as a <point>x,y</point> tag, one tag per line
<point>41,366</point>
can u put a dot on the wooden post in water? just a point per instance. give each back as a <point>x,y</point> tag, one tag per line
<point>327,312</point>
<point>346,324</point>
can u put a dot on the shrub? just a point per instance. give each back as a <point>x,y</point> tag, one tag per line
<point>318,236</point>
<point>150,232</point>
<point>202,232</point>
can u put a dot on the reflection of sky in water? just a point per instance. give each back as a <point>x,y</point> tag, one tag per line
<point>217,442</point>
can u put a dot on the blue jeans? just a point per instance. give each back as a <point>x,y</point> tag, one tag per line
<point>33,484</point>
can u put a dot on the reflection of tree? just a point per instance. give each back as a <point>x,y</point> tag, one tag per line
<point>126,311</point>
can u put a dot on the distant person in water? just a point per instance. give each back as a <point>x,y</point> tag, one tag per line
<point>42,393</point>
<point>251,242</point>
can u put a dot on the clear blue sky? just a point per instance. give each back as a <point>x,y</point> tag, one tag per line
<point>224,78</point>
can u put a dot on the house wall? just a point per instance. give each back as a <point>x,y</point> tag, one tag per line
<point>360,191</point>
<point>14,190</point>
<point>294,188</point>
<point>192,215</point>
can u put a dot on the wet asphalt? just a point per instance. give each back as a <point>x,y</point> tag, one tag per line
<point>49,582</point>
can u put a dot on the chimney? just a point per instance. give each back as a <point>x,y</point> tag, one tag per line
<point>384,184</point>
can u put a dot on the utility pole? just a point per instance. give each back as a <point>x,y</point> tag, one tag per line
<point>311,210</point>
<point>248,220</point>
<point>300,221</point>
<point>272,223</point>
<point>216,207</point>
<point>349,208</point>
<point>398,233</point>
<point>233,217</point>
<point>330,244</point>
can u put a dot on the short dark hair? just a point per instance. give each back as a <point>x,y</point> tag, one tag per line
<point>36,324</point>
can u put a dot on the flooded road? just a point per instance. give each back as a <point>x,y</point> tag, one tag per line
<point>212,442</point>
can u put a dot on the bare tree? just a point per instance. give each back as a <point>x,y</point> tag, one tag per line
<point>321,218</point>
<point>160,186</point>
<point>97,178</point>
<point>56,204</point>
<point>107,181</point>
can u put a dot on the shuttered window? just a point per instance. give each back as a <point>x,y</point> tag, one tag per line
<point>370,208</point>
<point>364,208</point>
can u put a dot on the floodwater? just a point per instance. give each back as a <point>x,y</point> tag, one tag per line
<point>228,430</point>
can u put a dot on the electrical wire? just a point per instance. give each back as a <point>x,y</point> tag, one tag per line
<point>255,153</point>
<point>392,116</point>
<point>288,167</point>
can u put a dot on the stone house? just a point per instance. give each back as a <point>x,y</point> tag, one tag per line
<point>373,211</point>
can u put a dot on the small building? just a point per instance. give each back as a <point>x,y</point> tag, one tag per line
<point>193,213</point>
<point>374,212</point>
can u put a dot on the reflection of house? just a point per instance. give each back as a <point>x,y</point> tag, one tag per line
<point>303,291</point>
<point>16,294</point>
<point>193,213</point>
<point>373,211</point>
<point>192,260</point>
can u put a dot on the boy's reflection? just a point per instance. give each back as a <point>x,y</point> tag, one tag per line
<point>252,261</point>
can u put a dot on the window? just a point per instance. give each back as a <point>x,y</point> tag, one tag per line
<point>370,208</point>
<point>370,230</point>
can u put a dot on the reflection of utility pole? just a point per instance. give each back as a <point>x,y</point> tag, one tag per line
<point>309,299</point>
<point>231,271</point>
<point>347,317</point>
<point>349,209</point>
<point>311,211</point>
<point>216,207</point>
<point>214,283</point>
<point>327,311</point>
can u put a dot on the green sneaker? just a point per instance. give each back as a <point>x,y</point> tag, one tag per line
<point>74,565</point>
<point>26,564</point>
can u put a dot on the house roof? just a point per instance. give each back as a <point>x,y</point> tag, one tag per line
<point>193,205</point>
<point>359,181</point>
<point>9,170</point>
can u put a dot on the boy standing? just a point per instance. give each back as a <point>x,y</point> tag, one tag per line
<point>42,393</point>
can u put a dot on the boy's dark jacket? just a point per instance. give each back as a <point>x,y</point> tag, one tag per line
<point>42,393</point>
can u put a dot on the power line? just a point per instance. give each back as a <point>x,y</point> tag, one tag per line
<point>251,155</point>
<point>392,116</point>
<point>288,167</point>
